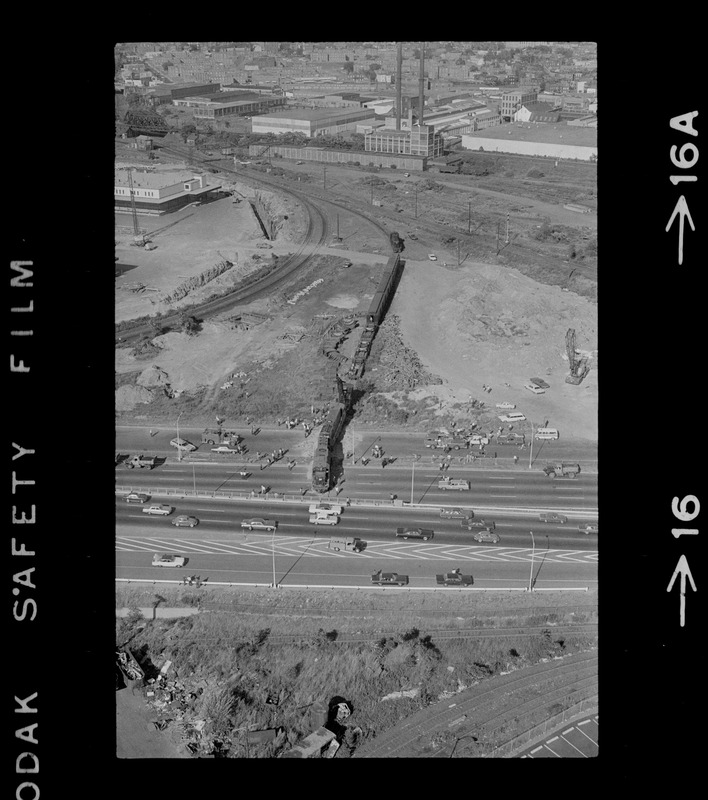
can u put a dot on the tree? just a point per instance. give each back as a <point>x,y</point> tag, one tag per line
<point>348,67</point>
<point>190,325</point>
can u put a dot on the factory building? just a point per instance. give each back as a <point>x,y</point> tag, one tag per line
<point>420,140</point>
<point>311,123</point>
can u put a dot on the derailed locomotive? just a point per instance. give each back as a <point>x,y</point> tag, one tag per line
<point>332,426</point>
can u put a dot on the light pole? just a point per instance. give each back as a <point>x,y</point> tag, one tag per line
<point>533,551</point>
<point>179,449</point>
<point>412,480</point>
<point>194,479</point>
<point>531,450</point>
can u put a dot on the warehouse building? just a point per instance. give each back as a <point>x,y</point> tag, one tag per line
<point>311,123</point>
<point>536,139</point>
<point>160,193</point>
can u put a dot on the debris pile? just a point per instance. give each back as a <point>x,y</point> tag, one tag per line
<point>198,281</point>
<point>399,366</point>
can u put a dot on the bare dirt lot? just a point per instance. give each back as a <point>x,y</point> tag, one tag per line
<point>484,322</point>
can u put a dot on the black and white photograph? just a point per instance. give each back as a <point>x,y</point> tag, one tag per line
<point>348,363</point>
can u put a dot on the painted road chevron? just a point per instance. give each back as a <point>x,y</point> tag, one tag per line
<point>289,546</point>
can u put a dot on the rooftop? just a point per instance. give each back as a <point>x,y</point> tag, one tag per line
<point>549,133</point>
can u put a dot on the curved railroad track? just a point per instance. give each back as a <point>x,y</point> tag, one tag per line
<point>489,706</point>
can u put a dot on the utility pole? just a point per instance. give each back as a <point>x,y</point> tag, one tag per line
<point>416,202</point>
<point>469,217</point>
<point>372,192</point>
<point>498,223</point>
<point>533,551</point>
<point>458,252</point>
<point>412,481</point>
<point>507,229</point>
<point>531,450</point>
<point>337,227</point>
<point>325,177</point>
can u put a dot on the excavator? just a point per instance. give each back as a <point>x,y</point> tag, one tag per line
<point>578,366</point>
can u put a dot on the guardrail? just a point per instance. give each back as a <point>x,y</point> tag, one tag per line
<point>325,498</point>
<point>397,589</point>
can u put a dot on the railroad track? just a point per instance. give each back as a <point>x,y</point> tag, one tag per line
<point>447,635</point>
<point>317,234</point>
<point>486,708</point>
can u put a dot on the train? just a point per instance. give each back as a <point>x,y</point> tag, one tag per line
<point>334,423</point>
<point>327,438</point>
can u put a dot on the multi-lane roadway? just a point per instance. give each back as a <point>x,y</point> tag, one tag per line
<point>549,555</point>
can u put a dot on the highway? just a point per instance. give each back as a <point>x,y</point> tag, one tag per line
<point>209,487</point>
<point>220,550</point>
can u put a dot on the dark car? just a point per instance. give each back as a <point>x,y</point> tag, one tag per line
<point>463,513</point>
<point>551,516</point>
<point>185,521</point>
<point>540,383</point>
<point>478,523</point>
<point>137,497</point>
<point>415,533</point>
<point>486,536</point>
<point>588,527</point>
<point>389,579</point>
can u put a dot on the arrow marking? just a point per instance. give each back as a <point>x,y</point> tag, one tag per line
<point>682,567</point>
<point>681,209</point>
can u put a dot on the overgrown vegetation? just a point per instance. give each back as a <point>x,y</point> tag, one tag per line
<point>234,678</point>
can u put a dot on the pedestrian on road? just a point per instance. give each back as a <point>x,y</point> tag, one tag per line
<point>349,502</point>
<point>516,459</point>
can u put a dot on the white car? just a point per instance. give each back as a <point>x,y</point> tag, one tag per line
<point>161,510</point>
<point>432,257</point>
<point>183,444</point>
<point>516,417</point>
<point>323,519</point>
<point>535,389</point>
<point>167,560</point>
<point>506,405</point>
<point>222,448</point>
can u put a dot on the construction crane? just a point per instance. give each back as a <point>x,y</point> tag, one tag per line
<point>578,366</point>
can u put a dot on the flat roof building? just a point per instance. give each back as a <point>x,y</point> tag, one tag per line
<point>159,193</point>
<point>311,123</point>
<point>420,140</point>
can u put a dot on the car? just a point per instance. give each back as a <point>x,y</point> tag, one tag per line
<point>415,533</point>
<point>406,174</point>
<point>222,448</point>
<point>185,521</point>
<point>323,519</point>
<point>183,444</point>
<point>413,236</point>
<point>432,257</point>
<point>168,560</point>
<point>259,523</point>
<point>448,513</point>
<point>298,162</point>
<point>540,382</point>
<point>506,405</point>
<point>160,509</point>
<point>533,388</point>
<point>588,527</point>
<point>478,523</point>
<point>551,516</point>
<point>389,579</point>
<point>137,497</point>
<point>325,508</point>
<point>515,417</point>
<point>486,536</point>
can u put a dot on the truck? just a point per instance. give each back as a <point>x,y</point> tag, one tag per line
<point>352,543</point>
<point>389,579</point>
<point>220,436</point>
<point>454,578</point>
<point>454,483</point>
<point>562,470</point>
<point>141,461</point>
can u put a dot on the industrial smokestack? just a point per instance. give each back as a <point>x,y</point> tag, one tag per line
<point>421,84</point>
<point>399,94</point>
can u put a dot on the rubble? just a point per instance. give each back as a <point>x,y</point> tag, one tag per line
<point>399,366</point>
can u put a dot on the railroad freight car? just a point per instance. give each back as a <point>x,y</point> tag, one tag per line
<point>326,441</point>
